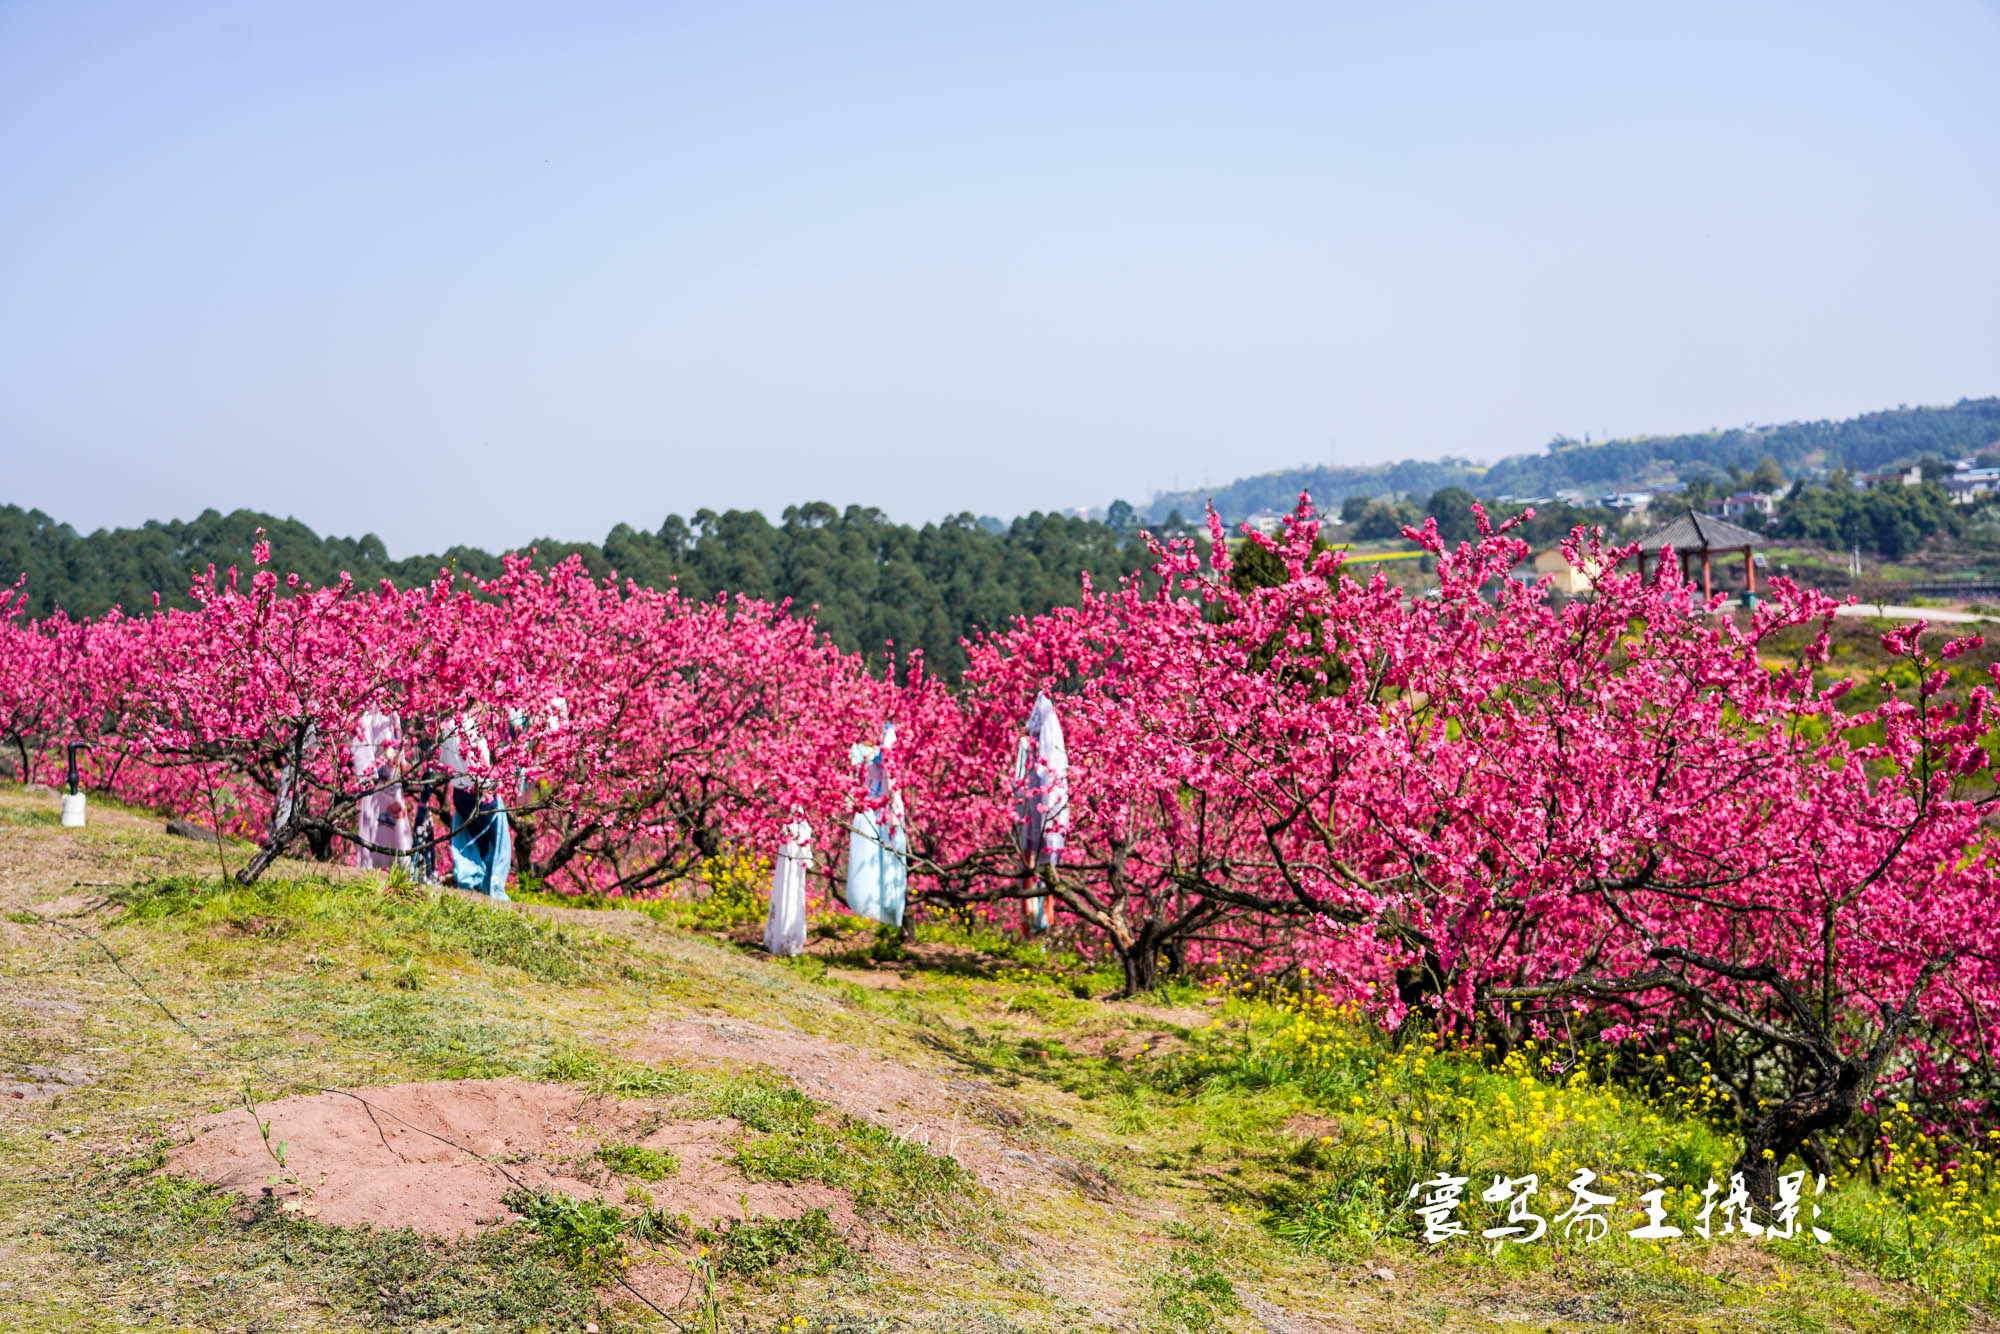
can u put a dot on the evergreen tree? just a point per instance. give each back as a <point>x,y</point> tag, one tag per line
<point>869,582</point>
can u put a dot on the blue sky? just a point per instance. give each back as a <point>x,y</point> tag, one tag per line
<point>481,272</point>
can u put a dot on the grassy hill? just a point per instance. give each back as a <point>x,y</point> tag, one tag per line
<point>958,1134</point>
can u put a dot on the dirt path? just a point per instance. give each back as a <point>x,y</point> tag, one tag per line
<point>1891,612</point>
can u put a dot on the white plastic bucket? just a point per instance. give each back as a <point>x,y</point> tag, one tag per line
<point>72,810</point>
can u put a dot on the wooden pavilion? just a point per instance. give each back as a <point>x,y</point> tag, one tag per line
<point>1702,536</point>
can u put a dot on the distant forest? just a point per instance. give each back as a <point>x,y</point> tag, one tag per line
<point>1801,449</point>
<point>873,581</point>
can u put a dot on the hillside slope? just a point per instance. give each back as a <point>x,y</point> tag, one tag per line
<point>950,1136</point>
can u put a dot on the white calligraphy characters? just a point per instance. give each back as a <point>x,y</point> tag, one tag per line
<point>1585,1218</point>
<point>1437,1207</point>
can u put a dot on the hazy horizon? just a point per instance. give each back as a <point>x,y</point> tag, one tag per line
<point>479,274</point>
<point>774,512</point>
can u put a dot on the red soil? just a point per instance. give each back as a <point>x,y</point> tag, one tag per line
<point>382,1162</point>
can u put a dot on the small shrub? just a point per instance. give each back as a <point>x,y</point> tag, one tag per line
<point>887,946</point>
<point>753,1248</point>
<point>633,1160</point>
<point>588,1236</point>
<point>657,1225</point>
<point>646,1080</point>
<point>1333,1216</point>
<point>737,892</point>
<point>571,1065</point>
<point>770,1108</point>
<point>1129,1114</point>
<point>1192,1293</point>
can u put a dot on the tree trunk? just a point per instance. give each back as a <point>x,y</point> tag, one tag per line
<point>1138,947</point>
<point>521,828</point>
<point>705,842</point>
<point>1787,1128</point>
<point>1141,962</point>
<point>317,833</point>
<point>274,848</point>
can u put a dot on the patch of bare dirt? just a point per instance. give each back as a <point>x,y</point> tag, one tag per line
<point>875,979</point>
<point>75,905</point>
<point>1180,1016</point>
<point>385,1161</point>
<point>189,829</point>
<point>1305,1125</point>
<point>954,1117</point>
<point>923,958</point>
<point>38,1081</point>
<point>42,1033</point>
<point>921,962</point>
<point>60,918</point>
<point>116,847</point>
<point>49,1004</point>
<point>1123,1044</point>
<point>604,920</point>
<point>1274,1319</point>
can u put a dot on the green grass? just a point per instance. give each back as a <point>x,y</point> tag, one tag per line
<point>395,924</point>
<point>1057,972</point>
<point>902,1184</point>
<point>439,1034</point>
<point>727,894</point>
<point>1398,1115</point>
<point>1216,1110</point>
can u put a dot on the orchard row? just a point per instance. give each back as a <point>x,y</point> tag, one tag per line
<point>1624,815</point>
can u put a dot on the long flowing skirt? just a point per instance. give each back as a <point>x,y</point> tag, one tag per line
<point>482,846</point>
<point>877,870</point>
<point>383,820</point>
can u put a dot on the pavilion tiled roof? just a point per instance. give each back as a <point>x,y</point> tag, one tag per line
<point>1698,532</point>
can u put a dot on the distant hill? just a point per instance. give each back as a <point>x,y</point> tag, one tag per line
<point>1802,449</point>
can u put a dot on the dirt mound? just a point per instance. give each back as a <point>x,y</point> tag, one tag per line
<point>381,1161</point>
<point>957,1117</point>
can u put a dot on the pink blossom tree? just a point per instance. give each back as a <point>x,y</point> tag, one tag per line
<point>1621,804</point>
<point>251,698</point>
